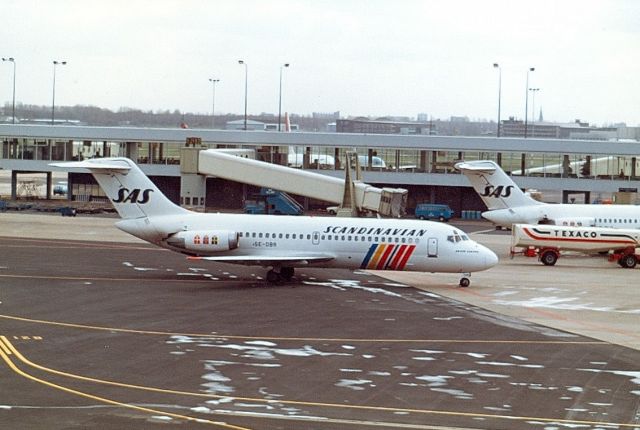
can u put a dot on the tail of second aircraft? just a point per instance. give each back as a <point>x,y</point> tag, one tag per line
<point>129,189</point>
<point>495,187</point>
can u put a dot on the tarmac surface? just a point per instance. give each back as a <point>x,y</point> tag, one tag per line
<point>101,331</point>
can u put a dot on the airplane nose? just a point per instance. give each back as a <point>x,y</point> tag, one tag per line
<point>490,257</point>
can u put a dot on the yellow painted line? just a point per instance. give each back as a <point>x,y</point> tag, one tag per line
<point>17,370</point>
<point>4,347</point>
<point>308,403</point>
<point>306,339</point>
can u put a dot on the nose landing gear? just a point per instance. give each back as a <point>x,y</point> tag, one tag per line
<point>464,281</point>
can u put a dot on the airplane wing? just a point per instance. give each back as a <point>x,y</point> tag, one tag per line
<point>268,260</point>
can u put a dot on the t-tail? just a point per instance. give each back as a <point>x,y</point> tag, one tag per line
<point>132,193</point>
<point>495,187</point>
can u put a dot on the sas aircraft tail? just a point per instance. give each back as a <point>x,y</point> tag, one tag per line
<point>129,189</point>
<point>495,187</point>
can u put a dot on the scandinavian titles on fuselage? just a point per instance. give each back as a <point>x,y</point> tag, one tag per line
<point>377,231</point>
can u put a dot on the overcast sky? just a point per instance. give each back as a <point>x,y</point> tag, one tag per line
<point>366,57</point>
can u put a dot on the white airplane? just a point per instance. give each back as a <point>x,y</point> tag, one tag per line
<point>282,243</point>
<point>509,205</point>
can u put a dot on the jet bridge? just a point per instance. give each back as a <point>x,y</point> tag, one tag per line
<point>354,195</point>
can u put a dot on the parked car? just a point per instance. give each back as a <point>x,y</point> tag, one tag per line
<point>60,189</point>
<point>434,211</point>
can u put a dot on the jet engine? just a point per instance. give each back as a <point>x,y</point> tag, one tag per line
<point>204,241</point>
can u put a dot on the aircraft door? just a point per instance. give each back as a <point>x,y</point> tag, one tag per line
<point>315,238</point>
<point>432,247</point>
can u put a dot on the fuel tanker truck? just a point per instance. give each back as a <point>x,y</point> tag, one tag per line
<point>547,241</point>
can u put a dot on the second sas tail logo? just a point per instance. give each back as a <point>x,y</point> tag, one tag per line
<point>134,196</point>
<point>499,191</point>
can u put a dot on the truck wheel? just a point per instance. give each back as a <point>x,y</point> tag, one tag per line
<point>549,258</point>
<point>628,261</point>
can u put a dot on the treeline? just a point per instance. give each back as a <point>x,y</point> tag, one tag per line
<point>131,117</point>
<point>97,116</point>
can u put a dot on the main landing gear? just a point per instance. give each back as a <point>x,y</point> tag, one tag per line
<point>284,274</point>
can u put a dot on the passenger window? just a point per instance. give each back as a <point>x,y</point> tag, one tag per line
<point>259,234</point>
<point>253,234</point>
<point>280,235</point>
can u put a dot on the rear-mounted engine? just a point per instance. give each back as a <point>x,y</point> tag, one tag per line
<point>205,241</point>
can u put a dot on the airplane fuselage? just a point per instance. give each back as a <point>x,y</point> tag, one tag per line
<point>614,216</point>
<point>383,244</point>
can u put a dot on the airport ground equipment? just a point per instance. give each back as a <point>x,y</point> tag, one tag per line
<point>433,211</point>
<point>270,201</point>
<point>385,201</point>
<point>548,241</point>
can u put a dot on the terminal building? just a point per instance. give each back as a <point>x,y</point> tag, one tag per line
<point>421,163</point>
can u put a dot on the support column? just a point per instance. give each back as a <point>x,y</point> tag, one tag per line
<point>48,193</point>
<point>14,185</point>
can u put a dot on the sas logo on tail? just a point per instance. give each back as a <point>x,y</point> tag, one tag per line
<point>499,191</point>
<point>133,196</point>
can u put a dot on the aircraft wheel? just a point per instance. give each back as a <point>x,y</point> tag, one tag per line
<point>628,261</point>
<point>273,276</point>
<point>465,282</point>
<point>287,273</point>
<point>549,258</point>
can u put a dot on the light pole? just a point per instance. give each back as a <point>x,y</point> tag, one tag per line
<point>12,60</point>
<point>497,66</point>
<point>526,101</point>
<point>246,75</point>
<point>533,110</point>
<point>280,96</point>
<point>213,103</point>
<point>53,102</point>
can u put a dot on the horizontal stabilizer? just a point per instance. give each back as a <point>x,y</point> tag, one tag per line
<point>94,165</point>
<point>476,167</point>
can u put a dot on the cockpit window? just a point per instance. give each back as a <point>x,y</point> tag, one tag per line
<point>457,237</point>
